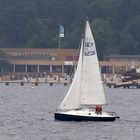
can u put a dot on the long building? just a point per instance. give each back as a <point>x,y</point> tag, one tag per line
<point>39,60</point>
<point>31,60</point>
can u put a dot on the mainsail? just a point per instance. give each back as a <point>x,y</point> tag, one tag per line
<point>86,87</point>
<point>91,84</point>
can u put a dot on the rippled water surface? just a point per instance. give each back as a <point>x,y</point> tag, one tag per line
<point>27,114</point>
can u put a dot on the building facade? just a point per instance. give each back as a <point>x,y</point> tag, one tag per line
<point>39,60</point>
<point>45,61</point>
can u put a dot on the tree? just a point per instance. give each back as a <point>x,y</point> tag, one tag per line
<point>130,37</point>
<point>103,36</point>
<point>35,23</point>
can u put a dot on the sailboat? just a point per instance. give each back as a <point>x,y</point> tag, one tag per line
<point>86,90</point>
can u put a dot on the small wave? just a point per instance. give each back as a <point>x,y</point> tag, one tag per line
<point>132,121</point>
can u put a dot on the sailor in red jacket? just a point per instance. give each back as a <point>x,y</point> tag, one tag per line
<point>98,109</point>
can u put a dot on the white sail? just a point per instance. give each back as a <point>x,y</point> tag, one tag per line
<point>91,87</point>
<point>86,87</point>
<point>72,98</point>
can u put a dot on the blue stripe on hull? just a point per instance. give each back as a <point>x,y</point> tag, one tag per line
<point>66,117</point>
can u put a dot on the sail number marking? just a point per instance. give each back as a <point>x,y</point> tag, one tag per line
<point>89,49</point>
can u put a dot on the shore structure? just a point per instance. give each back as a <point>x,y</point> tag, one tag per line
<point>31,62</point>
<point>129,79</point>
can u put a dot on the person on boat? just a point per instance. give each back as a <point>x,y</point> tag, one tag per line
<point>98,109</point>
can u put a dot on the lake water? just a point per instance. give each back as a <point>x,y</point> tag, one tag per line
<point>27,114</point>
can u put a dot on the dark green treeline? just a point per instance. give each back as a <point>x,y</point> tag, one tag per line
<point>35,24</point>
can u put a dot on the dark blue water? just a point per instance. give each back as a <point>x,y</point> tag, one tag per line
<point>27,114</point>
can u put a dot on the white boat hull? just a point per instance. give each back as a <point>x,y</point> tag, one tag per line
<point>84,115</point>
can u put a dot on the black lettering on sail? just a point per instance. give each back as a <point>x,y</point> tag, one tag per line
<point>89,49</point>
